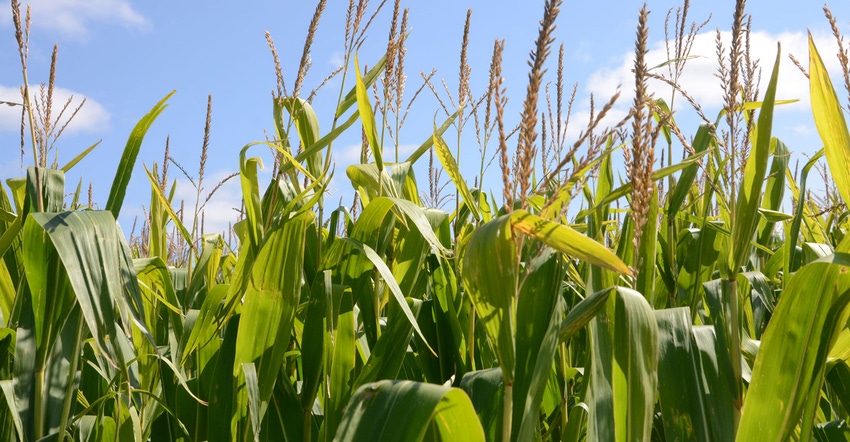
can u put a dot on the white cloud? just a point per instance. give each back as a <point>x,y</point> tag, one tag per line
<point>221,210</point>
<point>92,117</point>
<point>74,17</point>
<point>802,129</point>
<point>348,155</point>
<point>699,79</point>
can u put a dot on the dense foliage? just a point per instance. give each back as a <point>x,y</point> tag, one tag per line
<point>550,312</point>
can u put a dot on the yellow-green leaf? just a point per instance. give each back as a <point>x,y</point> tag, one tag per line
<point>567,240</point>
<point>829,119</point>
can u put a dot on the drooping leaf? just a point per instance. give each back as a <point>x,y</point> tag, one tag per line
<point>583,312</point>
<point>486,391</point>
<point>567,240</point>
<point>307,126</point>
<point>405,410</point>
<point>451,167</point>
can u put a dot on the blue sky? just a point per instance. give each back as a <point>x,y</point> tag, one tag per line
<point>124,55</point>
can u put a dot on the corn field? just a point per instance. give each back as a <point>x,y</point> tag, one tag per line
<point>681,304</point>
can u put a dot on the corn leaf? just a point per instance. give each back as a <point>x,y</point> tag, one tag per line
<point>268,310</point>
<point>540,308</point>
<point>374,414</point>
<point>582,313</point>
<point>251,197</point>
<point>486,391</point>
<point>429,142</point>
<point>792,358</point>
<point>307,126</point>
<point>367,118</point>
<point>184,232</point>
<point>749,195</point>
<point>681,389</point>
<point>490,275</point>
<point>128,158</point>
<point>78,158</point>
<point>451,167</point>
<point>567,240</point>
<point>623,371</point>
<point>829,119</point>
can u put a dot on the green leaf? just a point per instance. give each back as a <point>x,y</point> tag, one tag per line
<point>749,195</point>
<point>490,275</point>
<point>254,411</point>
<point>268,310</point>
<point>78,158</point>
<point>221,389</point>
<point>8,387</point>
<point>405,410</point>
<point>206,270</point>
<point>792,358</point>
<point>429,142</point>
<point>703,140</point>
<point>341,362</point>
<point>829,119</point>
<point>389,280</point>
<point>716,392</point>
<point>451,167</point>
<point>52,190</point>
<point>307,126</point>
<point>184,232</point>
<point>128,158</point>
<point>621,393</point>
<point>79,259</point>
<point>540,308</point>
<point>365,178</point>
<point>774,192</point>
<point>626,189</point>
<point>680,378</point>
<point>645,281</point>
<point>97,263</point>
<point>207,322</point>
<point>791,263</point>
<point>583,312</point>
<point>486,391</point>
<point>251,197</point>
<point>575,430</point>
<point>367,117</point>
<point>368,81</point>
<point>313,340</point>
<point>388,354</point>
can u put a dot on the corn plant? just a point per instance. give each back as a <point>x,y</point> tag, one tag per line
<point>678,304</point>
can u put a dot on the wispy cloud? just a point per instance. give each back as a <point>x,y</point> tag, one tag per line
<point>92,118</point>
<point>74,18</point>
<point>699,78</point>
